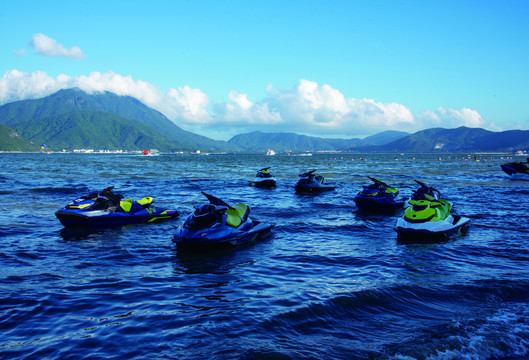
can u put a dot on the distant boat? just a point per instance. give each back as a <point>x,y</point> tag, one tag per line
<point>270,152</point>
<point>151,152</point>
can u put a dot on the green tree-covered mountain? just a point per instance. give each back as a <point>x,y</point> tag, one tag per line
<point>461,139</point>
<point>23,115</point>
<point>96,130</point>
<point>260,142</point>
<point>10,140</point>
<point>386,137</point>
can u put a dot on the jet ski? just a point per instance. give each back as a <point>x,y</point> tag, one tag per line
<point>263,179</point>
<point>310,183</point>
<point>517,170</point>
<point>379,197</point>
<point>428,217</point>
<point>218,224</point>
<point>110,209</point>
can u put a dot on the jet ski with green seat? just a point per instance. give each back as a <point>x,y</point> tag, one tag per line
<point>379,197</point>
<point>263,179</point>
<point>428,217</point>
<point>218,224</point>
<point>110,209</point>
<point>310,183</point>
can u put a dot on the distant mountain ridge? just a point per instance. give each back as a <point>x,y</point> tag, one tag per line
<point>260,142</point>
<point>461,139</point>
<point>385,137</point>
<point>71,118</point>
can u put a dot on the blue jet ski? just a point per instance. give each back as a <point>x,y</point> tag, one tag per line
<point>218,224</point>
<point>379,197</point>
<point>517,170</point>
<point>428,217</point>
<point>110,209</point>
<point>310,183</point>
<point>263,179</point>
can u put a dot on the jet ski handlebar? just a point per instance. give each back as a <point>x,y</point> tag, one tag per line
<point>376,181</point>
<point>216,201</point>
<point>427,189</point>
<point>307,173</point>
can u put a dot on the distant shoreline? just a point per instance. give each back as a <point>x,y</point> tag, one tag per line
<point>264,153</point>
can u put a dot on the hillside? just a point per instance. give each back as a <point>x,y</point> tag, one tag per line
<point>386,137</point>
<point>260,142</point>
<point>461,139</point>
<point>19,114</point>
<point>93,129</point>
<point>12,141</point>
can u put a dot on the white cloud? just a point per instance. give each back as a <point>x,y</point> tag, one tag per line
<point>307,108</point>
<point>461,117</point>
<point>324,110</point>
<point>188,104</point>
<point>242,112</point>
<point>20,52</point>
<point>16,85</point>
<point>47,46</point>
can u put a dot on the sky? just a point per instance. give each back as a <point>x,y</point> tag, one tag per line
<point>342,69</point>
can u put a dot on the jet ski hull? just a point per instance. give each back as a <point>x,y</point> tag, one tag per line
<point>432,230</point>
<point>311,183</point>
<point>517,170</point>
<point>220,236</point>
<point>313,188</point>
<point>382,204</point>
<point>263,183</point>
<point>104,218</point>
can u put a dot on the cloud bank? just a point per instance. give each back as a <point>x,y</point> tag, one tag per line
<point>47,46</point>
<point>306,108</point>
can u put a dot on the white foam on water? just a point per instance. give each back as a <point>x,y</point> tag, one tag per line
<point>503,335</point>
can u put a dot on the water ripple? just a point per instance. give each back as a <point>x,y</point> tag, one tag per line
<point>330,283</point>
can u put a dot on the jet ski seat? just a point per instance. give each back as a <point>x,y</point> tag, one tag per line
<point>128,205</point>
<point>237,214</point>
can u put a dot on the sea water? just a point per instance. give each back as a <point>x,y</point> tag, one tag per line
<point>330,283</point>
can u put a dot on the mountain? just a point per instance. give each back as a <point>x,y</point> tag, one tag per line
<point>386,137</point>
<point>71,119</point>
<point>461,139</point>
<point>23,115</point>
<point>96,130</point>
<point>12,141</point>
<point>260,142</point>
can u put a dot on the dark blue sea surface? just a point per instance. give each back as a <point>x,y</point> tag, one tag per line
<point>330,283</point>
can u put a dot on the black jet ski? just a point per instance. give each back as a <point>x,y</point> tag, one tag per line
<point>310,183</point>
<point>379,197</point>
<point>428,217</point>
<point>517,170</point>
<point>218,224</point>
<point>263,179</point>
<point>110,209</point>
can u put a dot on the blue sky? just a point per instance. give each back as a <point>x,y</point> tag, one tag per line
<point>324,68</point>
